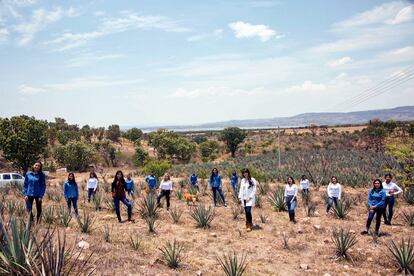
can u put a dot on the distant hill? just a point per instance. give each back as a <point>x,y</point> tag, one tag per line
<point>403,113</point>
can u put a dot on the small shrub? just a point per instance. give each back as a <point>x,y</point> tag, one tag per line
<point>263,218</point>
<point>403,255</point>
<point>277,200</point>
<point>409,196</point>
<point>176,214</point>
<point>97,200</point>
<point>409,217</point>
<point>135,242</point>
<point>342,208</point>
<point>107,233</point>
<point>85,224</point>
<point>203,215</point>
<point>263,188</point>
<point>64,216</point>
<point>57,197</point>
<point>178,194</point>
<point>232,264</point>
<point>343,241</point>
<point>172,253</point>
<point>150,220</point>
<point>49,215</point>
<point>148,206</point>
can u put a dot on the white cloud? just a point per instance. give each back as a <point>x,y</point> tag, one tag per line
<point>214,91</point>
<point>404,15</point>
<point>339,62</point>
<point>215,34</point>
<point>76,84</point>
<point>4,34</point>
<point>30,90</point>
<point>307,86</point>
<point>126,22</point>
<point>378,14</point>
<point>247,30</point>
<point>88,58</point>
<point>409,50</point>
<point>40,19</point>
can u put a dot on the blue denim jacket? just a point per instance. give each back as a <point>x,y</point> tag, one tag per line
<point>129,184</point>
<point>215,181</point>
<point>34,184</point>
<point>376,199</point>
<point>193,179</point>
<point>152,181</point>
<point>234,180</point>
<point>70,189</point>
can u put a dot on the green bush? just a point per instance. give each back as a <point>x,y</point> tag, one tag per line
<point>75,155</point>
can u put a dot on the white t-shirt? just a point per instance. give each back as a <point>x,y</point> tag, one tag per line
<point>92,183</point>
<point>334,190</point>
<point>166,185</point>
<point>391,187</point>
<point>304,184</point>
<point>291,190</point>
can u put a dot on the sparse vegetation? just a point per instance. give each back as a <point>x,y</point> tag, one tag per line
<point>232,264</point>
<point>172,253</point>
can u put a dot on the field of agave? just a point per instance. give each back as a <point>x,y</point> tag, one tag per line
<point>352,167</point>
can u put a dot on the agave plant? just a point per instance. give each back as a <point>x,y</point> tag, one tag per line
<point>277,200</point>
<point>64,216</point>
<point>403,255</point>
<point>258,200</point>
<point>232,264</point>
<point>110,205</point>
<point>263,218</point>
<point>343,240</point>
<point>172,253</point>
<point>11,207</point>
<point>179,194</point>
<point>202,215</point>
<point>409,196</point>
<point>310,209</point>
<point>49,215</point>
<point>20,209</point>
<point>107,233</point>
<point>409,217</point>
<point>148,206</point>
<point>135,242</point>
<point>97,201</point>
<point>151,223</point>
<point>176,214</point>
<point>86,222</point>
<point>341,209</point>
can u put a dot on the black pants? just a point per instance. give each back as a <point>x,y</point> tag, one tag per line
<point>248,212</point>
<point>379,212</point>
<point>165,193</point>
<point>91,192</point>
<point>74,202</point>
<point>29,207</point>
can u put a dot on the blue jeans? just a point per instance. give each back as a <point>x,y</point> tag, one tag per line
<point>305,193</point>
<point>118,211</point>
<point>74,202</point>
<point>291,206</point>
<point>389,201</point>
<point>331,202</point>
<point>248,212</point>
<point>234,185</point>
<point>220,191</point>
<point>371,215</point>
<point>29,207</point>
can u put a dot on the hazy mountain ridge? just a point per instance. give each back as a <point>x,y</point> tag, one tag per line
<point>402,113</point>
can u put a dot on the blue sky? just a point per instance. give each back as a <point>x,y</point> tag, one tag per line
<point>187,62</point>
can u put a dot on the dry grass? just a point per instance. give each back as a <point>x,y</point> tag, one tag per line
<point>309,239</point>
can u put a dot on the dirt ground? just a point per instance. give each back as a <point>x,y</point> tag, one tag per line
<point>311,250</point>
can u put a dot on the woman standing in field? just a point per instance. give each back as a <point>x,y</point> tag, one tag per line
<point>166,187</point>
<point>247,196</point>
<point>216,185</point>
<point>151,181</point>
<point>34,189</point>
<point>334,193</point>
<point>118,194</point>
<point>92,185</point>
<point>71,192</point>
<point>376,204</point>
<point>234,180</point>
<point>130,185</point>
<point>391,189</point>
<point>304,185</point>
<point>291,194</point>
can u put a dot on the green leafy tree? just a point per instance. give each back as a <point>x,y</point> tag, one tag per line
<point>209,149</point>
<point>133,134</point>
<point>75,155</point>
<point>113,133</point>
<point>157,168</point>
<point>87,133</point>
<point>374,135</point>
<point>23,140</point>
<point>404,155</point>
<point>64,136</point>
<point>107,151</point>
<point>170,144</point>
<point>233,137</point>
<point>140,156</point>
<point>99,133</point>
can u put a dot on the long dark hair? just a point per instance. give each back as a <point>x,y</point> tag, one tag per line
<point>303,177</point>
<point>116,178</point>
<point>41,166</point>
<point>93,175</point>
<point>249,177</point>
<point>373,185</point>
<point>212,172</point>
<point>293,180</point>
<point>73,175</point>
